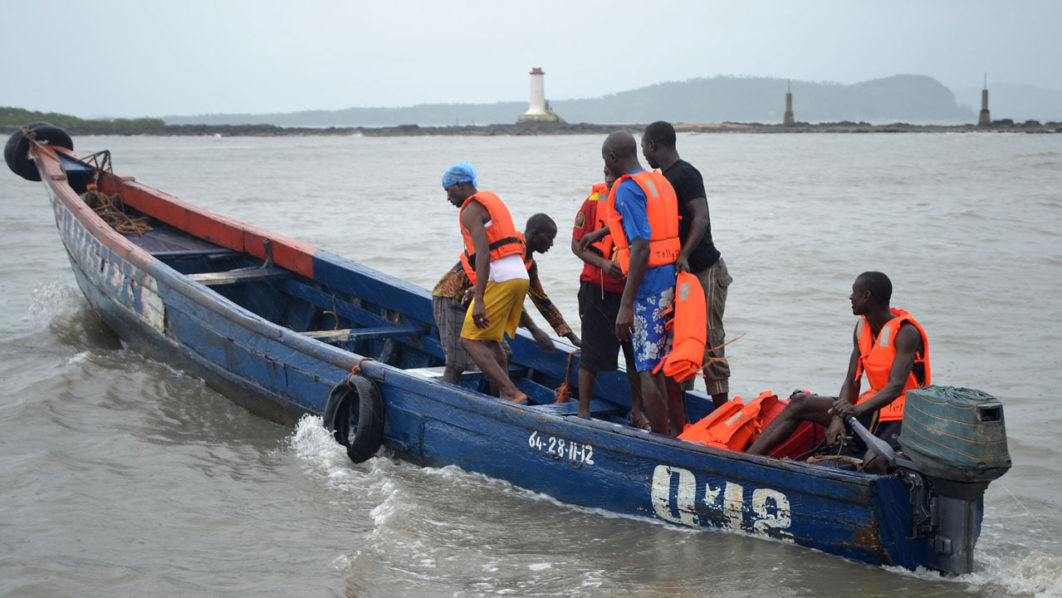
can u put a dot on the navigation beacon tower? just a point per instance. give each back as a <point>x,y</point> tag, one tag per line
<point>984,119</point>
<point>539,110</point>
<point>788,119</point>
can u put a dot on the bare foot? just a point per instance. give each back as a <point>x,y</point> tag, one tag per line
<point>638,420</point>
<point>520,399</point>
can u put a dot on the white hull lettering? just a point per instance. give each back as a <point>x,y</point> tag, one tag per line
<point>722,504</point>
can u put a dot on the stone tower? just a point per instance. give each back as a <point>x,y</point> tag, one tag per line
<point>539,110</point>
<point>984,119</point>
<point>788,119</point>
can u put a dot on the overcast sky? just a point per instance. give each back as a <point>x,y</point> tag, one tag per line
<point>132,58</point>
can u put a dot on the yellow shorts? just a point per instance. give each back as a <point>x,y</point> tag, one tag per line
<point>505,303</point>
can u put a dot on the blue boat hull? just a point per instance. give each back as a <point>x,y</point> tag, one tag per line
<point>600,463</point>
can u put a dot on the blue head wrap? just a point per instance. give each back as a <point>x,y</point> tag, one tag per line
<point>462,172</point>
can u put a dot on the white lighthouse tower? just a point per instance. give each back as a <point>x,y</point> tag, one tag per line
<point>539,110</point>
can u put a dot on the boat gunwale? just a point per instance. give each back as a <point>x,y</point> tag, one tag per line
<point>478,403</point>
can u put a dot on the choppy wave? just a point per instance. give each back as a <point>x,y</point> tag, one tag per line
<point>1032,574</point>
<point>62,309</point>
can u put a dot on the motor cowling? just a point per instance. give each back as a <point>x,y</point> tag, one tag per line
<point>957,439</point>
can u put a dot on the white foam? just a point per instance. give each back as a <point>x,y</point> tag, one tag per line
<point>1035,573</point>
<point>52,300</point>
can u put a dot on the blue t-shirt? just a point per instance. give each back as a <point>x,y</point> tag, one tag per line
<point>630,204</point>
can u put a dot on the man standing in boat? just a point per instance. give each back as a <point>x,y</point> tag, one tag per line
<point>643,224</point>
<point>892,349</point>
<point>600,289</point>
<point>450,297</point>
<point>699,254</point>
<point>493,262</point>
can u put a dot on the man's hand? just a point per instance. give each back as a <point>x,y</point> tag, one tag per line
<point>842,409</point>
<point>574,338</point>
<point>682,264</point>
<point>835,432</point>
<point>591,238</point>
<point>479,315</point>
<point>612,269</point>
<point>625,323</point>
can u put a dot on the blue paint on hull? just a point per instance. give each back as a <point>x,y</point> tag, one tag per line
<point>282,375</point>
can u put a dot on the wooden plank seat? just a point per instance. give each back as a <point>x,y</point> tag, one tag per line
<point>210,254</point>
<point>239,275</point>
<point>598,408</point>
<point>357,334</point>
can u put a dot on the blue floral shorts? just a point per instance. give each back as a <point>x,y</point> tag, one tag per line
<point>651,340</point>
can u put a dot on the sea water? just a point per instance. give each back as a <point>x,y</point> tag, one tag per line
<point>120,475</point>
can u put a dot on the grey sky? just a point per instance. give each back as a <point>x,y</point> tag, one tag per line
<point>131,58</point>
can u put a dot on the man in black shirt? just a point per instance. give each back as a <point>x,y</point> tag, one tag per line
<point>699,254</point>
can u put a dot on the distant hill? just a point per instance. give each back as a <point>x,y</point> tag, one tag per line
<point>17,117</point>
<point>1016,102</point>
<point>901,98</point>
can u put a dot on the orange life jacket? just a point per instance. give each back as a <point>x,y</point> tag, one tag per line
<point>734,425</point>
<point>661,208</point>
<point>603,247</point>
<point>526,254</point>
<point>690,326</point>
<point>875,358</point>
<point>502,236</point>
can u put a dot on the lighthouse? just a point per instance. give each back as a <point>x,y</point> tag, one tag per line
<point>539,110</point>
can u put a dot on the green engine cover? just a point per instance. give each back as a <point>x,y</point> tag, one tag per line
<point>955,433</point>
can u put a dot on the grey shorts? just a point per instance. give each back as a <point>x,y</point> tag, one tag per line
<point>450,317</point>
<point>715,280</point>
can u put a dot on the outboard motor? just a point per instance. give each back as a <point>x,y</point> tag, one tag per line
<point>955,437</point>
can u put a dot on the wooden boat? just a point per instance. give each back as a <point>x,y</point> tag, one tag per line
<point>287,329</point>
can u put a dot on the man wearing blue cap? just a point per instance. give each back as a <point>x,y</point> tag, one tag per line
<point>493,262</point>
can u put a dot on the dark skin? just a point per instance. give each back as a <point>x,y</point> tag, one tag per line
<point>587,378</point>
<point>621,157</point>
<point>664,157</point>
<point>829,413</point>
<point>488,355</point>
<point>581,248</point>
<point>540,240</point>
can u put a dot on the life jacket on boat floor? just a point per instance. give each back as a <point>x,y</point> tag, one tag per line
<point>735,425</point>
<point>689,323</point>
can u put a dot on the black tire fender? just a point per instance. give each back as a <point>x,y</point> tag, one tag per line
<point>354,415</point>
<point>16,152</point>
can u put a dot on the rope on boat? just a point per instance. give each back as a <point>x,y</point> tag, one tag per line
<point>356,370</point>
<point>110,209</point>
<point>334,312</point>
<point>564,391</point>
<point>713,359</point>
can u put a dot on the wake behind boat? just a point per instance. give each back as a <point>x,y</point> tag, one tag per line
<point>287,329</point>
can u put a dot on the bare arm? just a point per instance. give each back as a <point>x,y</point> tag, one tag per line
<point>908,342</point>
<point>584,253</point>
<point>639,265</point>
<point>472,218</point>
<point>698,210</point>
<point>544,341</point>
<point>591,238</point>
<point>848,396</point>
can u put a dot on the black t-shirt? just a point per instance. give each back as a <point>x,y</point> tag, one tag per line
<point>689,185</point>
